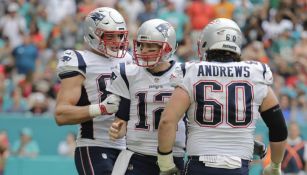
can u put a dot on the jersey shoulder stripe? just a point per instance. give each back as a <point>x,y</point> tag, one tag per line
<point>122,70</point>
<point>71,61</point>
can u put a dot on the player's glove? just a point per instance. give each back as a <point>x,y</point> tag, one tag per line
<point>260,149</point>
<point>272,169</point>
<point>173,171</point>
<point>108,106</point>
<point>166,164</point>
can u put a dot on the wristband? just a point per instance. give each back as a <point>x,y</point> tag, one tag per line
<point>166,161</point>
<point>275,165</point>
<point>94,110</point>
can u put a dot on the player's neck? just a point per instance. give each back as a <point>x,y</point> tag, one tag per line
<point>98,53</point>
<point>160,67</point>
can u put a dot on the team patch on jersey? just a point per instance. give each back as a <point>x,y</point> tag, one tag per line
<point>163,28</point>
<point>65,59</point>
<point>113,77</point>
<point>97,17</point>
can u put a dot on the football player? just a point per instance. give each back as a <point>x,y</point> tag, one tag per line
<point>84,76</point>
<point>146,87</point>
<point>224,97</point>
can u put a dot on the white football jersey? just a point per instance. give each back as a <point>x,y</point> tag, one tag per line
<point>148,95</point>
<point>97,72</point>
<point>225,100</point>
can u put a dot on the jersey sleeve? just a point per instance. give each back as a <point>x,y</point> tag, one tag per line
<point>71,63</point>
<point>177,75</point>
<point>261,73</point>
<point>119,83</point>
<point>186,81</point>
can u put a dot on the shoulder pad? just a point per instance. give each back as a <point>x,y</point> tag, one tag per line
<point>71,61</point>
<point>261,72</point>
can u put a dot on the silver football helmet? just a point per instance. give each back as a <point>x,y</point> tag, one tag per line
<point>155,31</point>
<point>220,34</point>
<point>103,22</point>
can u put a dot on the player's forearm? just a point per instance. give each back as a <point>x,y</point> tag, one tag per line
<point>277,151</point>
<point>166,135</point>
<point>69,115</point>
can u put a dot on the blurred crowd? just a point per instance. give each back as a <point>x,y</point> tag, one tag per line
<point>34,33</point>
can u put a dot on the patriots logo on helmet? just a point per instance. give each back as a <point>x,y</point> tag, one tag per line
<point>97,17</point>
<point>66,58</point>
<point>163,28</point>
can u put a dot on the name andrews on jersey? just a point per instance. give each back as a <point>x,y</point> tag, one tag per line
<point>223,71</point>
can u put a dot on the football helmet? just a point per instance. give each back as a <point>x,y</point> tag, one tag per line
<point>103,22</point>
<point>220,34</point>
<point>154,31</point>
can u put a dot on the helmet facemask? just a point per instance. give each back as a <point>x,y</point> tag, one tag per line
<point>110,46</point>
<point>156,51</point>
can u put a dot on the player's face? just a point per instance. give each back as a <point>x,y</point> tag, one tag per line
<point>149,49</point>
<point>113,41</point>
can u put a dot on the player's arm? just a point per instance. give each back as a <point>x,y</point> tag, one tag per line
<point>168,125</point>
<point>278,133</point>
<point>67,112</point>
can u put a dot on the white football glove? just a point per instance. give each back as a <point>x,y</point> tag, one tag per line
<point>173,171</point>
<point>272,169</point>
<point>167,165</point>
<point>108,106</point>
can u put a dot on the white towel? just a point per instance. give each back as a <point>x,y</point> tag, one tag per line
<point>220,161</point>
<point>122,162</point>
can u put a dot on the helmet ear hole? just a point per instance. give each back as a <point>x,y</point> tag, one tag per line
<point>167,48</point>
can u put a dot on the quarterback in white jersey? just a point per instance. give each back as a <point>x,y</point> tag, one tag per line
<point>147,86</point>
<point>84,76</point>
<point>224,97</point>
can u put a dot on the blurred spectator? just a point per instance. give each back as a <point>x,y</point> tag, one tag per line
<point>4,150</point>
<point>253,30</point>
<point>37,37</point>
<point>255,51</point>
<point>57,10</point>
<point>150,11</point>
<point>177,19</point>
<point>86,6</point>
<point>67,146</point>
<point>283,45</point>
<point>224,9</point>
<point>132,8</point>
<point>15,102</point>
<point>5,51</point>
<point>200,14</point>
<point>2,86</point>
<point>38,103</point>
<point>296,154</point>
<point>13,25</point>
<point>243,9</point>
<point>44,26</point>
<point>26,56</point>
<point>25,146</point>
<point>300,48</point>
<point>285,106</point>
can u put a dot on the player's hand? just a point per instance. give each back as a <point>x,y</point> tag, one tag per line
<point>173,171</point>
<point>115,128</point>
<point>260,149</point>
<point>109,105</point>
<point>272,169</point>
<point>166,164</point>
